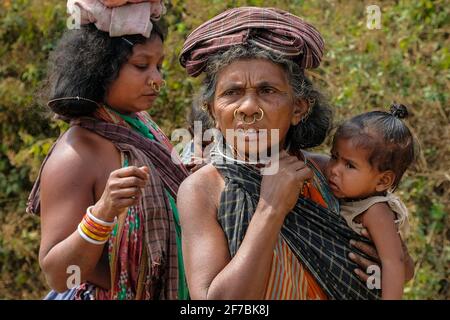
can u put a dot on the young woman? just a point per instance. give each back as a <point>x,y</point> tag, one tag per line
<point>106,191</point>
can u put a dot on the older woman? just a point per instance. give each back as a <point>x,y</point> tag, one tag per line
<point>106,190</point>
<point>247,235</point>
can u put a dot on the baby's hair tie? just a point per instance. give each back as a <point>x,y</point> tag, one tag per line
<point>399,110</point>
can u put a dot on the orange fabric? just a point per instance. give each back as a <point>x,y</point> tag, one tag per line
<point>289,279</point>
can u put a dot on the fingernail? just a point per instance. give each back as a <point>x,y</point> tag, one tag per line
<point>351,255</point>
<point>352,242</point>
<point>356,271</point>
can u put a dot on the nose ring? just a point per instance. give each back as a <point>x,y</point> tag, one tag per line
<point>249,123</point>
<point>261,117</point>
<point>255,117</point>
<point>155,86</point>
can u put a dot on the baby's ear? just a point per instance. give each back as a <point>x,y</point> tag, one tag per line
<point>385,181</point>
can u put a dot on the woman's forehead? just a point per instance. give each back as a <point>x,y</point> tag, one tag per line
<point>252,70</point>
<point>152,48</point>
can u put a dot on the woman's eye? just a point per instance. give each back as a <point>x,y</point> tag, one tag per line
<point>141,66</point>
<point>268,90</point>
<point>231,92</point>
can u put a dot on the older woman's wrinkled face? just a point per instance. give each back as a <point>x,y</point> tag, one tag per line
<point>132,91</point>
<point>252,95</point>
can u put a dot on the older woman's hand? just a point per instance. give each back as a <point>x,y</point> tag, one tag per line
<point>282,189</point>
<point>371,251</point>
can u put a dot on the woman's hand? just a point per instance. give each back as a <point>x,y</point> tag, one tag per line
<point>282,189</point>
<point>122,190</point>
<point>371,251</point>
<point>362,262</point>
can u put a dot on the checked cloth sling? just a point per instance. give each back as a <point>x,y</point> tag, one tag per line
<point>318,236</point>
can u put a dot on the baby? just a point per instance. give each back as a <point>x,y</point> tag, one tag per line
<point>369,155</point>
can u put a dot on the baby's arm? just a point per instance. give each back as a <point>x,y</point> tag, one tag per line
<point>379,221</point>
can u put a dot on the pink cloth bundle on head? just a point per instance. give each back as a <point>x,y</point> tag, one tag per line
<point>132,18</point>
<point>268,28</point>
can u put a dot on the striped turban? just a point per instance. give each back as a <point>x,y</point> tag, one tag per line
<point>269,28</point>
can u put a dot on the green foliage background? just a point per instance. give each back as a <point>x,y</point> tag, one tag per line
<point>407,60</point>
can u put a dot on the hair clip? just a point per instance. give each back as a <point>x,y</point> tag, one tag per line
<point>49,103</point>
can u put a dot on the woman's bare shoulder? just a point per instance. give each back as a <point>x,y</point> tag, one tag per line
<point>81,150</point>
<point>202,188</point>
<point>206,178</point>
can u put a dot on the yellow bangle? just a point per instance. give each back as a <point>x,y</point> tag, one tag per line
<point>91,235</point>
<point>94,230</point>
<point>85,237</point>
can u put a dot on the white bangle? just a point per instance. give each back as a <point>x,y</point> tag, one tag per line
<point>99,221</point>
<point>85,237</point>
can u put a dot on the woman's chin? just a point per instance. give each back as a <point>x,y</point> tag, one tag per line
<point>254,154</point>
<point>253,148</point>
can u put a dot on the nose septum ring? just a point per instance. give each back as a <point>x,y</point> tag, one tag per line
<point>243,116</point>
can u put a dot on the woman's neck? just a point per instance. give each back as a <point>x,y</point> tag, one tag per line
<point>232,153</point>
<point>120,112</point>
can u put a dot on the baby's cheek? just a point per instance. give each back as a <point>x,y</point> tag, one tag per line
<point>327,170</point>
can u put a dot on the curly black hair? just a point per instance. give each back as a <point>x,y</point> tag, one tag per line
<point>84,64</point>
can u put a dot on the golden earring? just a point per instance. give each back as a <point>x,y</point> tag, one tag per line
<point>311,103</point>
<point>306,116</point>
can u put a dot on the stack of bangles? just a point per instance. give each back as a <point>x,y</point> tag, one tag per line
<point>95,230</point>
